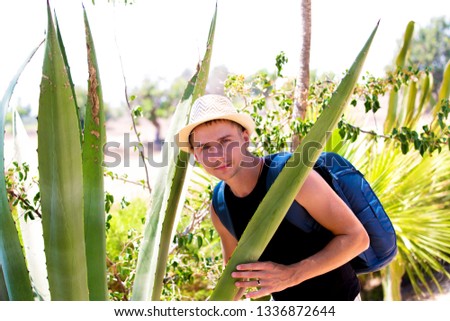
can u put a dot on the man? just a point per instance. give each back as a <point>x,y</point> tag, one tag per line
<point>295,265</point>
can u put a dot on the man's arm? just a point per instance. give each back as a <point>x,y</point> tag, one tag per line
<point>228,241</point>
<point>330,211</point>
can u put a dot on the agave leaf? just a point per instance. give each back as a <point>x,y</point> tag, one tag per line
<point>176,197</point>
<point>12,261</point>
<point>61,177</point>
<point>3,289</point>
<point>203,72</point>
<point>66,63</point>
<point>444,93</point>
<point>426,87</point>
<point>174,200</point>
<point>94,204</point>
<point>168,195</point>
<point>270,213</point>
<point>145,281</point>
<point>410,103</point>
<point>393,112</point>
<point>404,51</point>
<point>94,139</point>
<point>31,230</point>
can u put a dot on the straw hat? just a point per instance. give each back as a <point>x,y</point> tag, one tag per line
<point>211,107</point>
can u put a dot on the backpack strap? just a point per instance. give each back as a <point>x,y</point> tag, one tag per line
<point>220,207</point>
<point>296,214</point>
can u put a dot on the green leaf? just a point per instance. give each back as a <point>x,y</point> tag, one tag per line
<point>410,104</point>
<point>199,241</point>
<point>190,237</point>
<point>444,91</point>
<point>31,233</point>
<point>203,69</point>
<point>404,147</point>
<point>393,112</point>
<point>66,64</point>
<point>278,199</point>
<point>404,51</point>
<point>14,279</point>
<point>137,112</point>
<point>3,289</point>
<point>61,177</point>
<point>94,204</point>
<point>280,60</point>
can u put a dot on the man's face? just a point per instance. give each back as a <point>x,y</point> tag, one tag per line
<point>219,147</point>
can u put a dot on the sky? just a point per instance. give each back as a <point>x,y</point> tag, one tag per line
<point>159,39</point>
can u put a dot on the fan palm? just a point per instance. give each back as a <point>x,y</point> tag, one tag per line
<point>414,191</point>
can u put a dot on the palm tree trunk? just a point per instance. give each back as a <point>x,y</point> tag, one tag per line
<point>302,85</point>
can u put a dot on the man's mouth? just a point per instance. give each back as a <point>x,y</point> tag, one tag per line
<point>223,166</point>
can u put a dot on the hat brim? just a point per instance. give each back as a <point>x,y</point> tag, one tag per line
<point>182,137</point>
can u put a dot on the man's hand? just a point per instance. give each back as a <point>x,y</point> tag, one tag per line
<point>266,277</point>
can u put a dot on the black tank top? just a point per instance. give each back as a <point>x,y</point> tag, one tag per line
<point>291,245</point>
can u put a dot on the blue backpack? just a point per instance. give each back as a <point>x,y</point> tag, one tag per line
<point>352,187</point>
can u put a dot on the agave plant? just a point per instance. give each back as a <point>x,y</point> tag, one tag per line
<point>70,159</point>
<point>60,170</point>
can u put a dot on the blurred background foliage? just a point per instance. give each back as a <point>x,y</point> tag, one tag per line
<point>430,48</point>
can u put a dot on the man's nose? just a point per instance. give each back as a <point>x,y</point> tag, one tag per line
<point>217,150</point>
<point>216,156</point>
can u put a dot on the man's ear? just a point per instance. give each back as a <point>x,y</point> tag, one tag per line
<point>246,135</point>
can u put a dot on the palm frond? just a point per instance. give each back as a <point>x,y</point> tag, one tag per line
<point>414,191</point>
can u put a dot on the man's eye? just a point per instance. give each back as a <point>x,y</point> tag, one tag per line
<point>210,148</point>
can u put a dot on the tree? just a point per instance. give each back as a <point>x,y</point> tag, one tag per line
<point>217,79</point>
<point>302,86</point>
<point>155,102</point>
<point>430,48</point>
